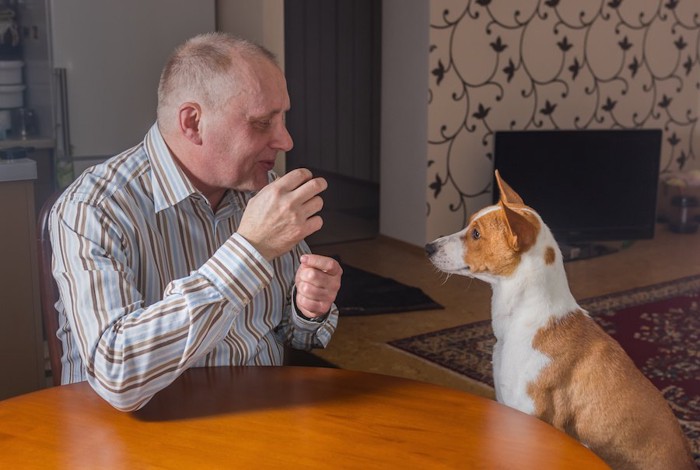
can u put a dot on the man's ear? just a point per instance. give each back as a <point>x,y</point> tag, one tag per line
<point>190,119</point>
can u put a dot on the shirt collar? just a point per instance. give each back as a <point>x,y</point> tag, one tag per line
<point>169,183</point>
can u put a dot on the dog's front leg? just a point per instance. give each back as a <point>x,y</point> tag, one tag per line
<point>496,364</point>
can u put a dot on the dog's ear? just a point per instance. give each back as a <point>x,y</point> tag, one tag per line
<point>508,196</point>
<point>522,233</point>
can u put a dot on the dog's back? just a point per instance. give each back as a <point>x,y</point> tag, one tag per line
<point>593,391</point>
<point>551,359</point>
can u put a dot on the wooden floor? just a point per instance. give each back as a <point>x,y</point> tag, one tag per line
<point>360,342</point>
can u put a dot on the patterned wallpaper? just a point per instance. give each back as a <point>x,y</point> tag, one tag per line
<point>553,64</point>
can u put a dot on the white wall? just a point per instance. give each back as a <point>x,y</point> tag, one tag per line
<point>404,121</point>
<point>261,21</point>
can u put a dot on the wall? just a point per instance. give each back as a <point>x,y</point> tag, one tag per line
<point>545,64</point>
<point>261,21</point>
<point>404,120</point>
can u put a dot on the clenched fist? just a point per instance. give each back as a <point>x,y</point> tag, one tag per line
<point>317,282</point>
<point>283,213</point>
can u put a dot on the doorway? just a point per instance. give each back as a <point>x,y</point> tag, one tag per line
<point>332,64</point>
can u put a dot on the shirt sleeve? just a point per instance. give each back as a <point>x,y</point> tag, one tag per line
<point>130,350</point>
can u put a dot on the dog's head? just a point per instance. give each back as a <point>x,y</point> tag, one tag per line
<point>496,241</point>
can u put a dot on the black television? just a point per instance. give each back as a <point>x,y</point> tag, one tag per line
<point>588,185</point>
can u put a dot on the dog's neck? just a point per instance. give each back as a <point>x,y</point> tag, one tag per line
<point>535,293</point>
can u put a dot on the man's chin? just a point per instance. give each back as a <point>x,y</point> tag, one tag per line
<point>255,184</point>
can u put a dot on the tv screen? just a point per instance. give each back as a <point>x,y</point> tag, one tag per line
<point>588,185</point>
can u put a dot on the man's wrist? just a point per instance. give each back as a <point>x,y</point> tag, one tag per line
<point>311,319</point>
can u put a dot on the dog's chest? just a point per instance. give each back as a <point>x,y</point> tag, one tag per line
<point>516,364</point>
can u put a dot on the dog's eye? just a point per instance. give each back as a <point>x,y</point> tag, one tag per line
<point>476,234</point>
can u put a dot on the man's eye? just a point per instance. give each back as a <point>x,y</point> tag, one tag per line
<point>263,124</point>
<point>476,234</point>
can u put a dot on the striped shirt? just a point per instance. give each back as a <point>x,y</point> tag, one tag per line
<point>153,282</point>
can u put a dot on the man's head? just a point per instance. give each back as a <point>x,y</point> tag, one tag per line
<point>221,105</point>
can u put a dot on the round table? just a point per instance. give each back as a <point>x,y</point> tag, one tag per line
<point>281,417</point>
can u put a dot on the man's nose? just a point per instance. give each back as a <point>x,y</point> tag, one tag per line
<point>283,140</point>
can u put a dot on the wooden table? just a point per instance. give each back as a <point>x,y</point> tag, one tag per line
<point>281,417</point>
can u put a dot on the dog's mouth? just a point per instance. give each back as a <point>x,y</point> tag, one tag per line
<point>464,271</point>
<point>436,255</point>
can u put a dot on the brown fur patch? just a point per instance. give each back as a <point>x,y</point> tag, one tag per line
<point>491,252</point>
<point>522,232</point>
<point>593,391</point>
<point>549,255</point>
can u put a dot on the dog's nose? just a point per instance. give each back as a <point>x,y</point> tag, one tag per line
<point>430,249</point>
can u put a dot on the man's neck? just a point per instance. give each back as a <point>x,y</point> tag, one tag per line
<point>215,198</point>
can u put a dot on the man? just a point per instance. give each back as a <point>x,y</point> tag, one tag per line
<point>185,250</point>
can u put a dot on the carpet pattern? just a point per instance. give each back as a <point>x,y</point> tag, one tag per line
<point>658,326</point>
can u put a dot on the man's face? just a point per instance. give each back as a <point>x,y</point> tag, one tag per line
<point>242,140</point>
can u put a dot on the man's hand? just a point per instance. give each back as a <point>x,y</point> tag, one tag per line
<point>317,282</point>
<point>283,213</point>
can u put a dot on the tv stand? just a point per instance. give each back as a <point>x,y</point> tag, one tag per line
<point>577,251</point>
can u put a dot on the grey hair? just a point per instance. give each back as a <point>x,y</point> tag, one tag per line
<point>204,69</point>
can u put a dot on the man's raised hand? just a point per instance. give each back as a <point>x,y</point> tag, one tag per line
<point>283,213</point>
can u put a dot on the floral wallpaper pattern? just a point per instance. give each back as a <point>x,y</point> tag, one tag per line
<point>552,64</point>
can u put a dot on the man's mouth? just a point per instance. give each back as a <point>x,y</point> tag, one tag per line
<point>268,164</point>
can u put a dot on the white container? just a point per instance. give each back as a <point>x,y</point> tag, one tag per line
<point>11,72</point>
<point>11,96</point>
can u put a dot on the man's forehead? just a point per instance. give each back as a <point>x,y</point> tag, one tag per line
<point>263,105</point>
<point>267,101</point>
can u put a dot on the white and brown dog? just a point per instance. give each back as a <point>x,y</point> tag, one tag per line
<point>551,360</point>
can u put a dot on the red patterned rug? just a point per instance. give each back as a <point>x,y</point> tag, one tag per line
<point>658,326</point>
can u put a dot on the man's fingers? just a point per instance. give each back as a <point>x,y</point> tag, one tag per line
<point>313,206</point>
<point>301,184</point>
<point>322,263</point>
<point>316,307</point>
<point>318,282</point>
<point>293,179</point>
<point>313,224</point>
<point>310,189</point>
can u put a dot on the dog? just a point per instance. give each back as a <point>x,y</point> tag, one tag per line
<point>551,360</point>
